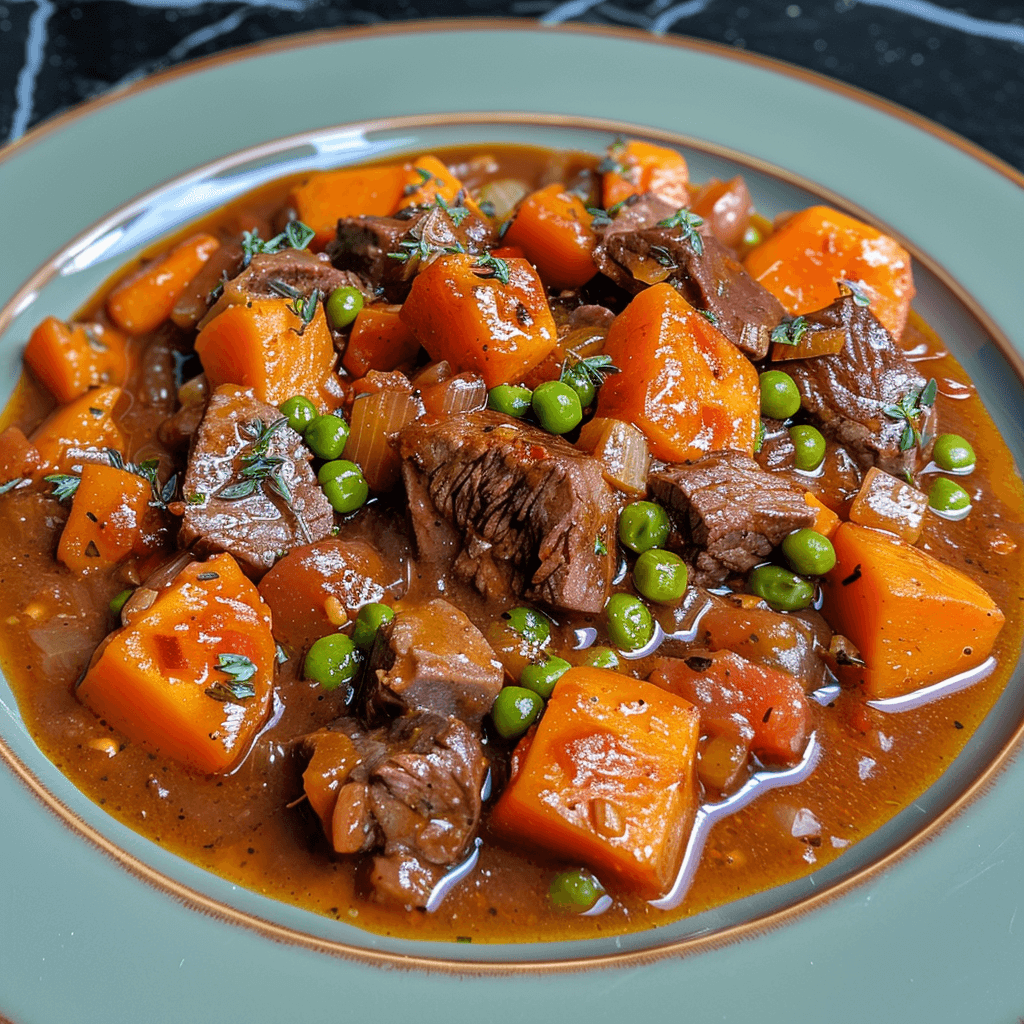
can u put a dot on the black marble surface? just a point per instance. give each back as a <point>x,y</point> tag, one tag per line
<point>962,67</point>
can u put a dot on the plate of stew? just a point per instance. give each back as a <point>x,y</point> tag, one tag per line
<point>506,543</point>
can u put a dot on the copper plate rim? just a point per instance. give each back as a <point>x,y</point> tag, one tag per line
<point>685,946</point>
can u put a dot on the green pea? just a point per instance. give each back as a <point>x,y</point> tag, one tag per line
<point>601,657</point>
<point>751,237</point>
<point>581,383</point>
<point>809,552</point>
<point>947,495</point>
<point>954,453</point>
<point>299,411</point>
<point>783,590</point>
<point>630,625</point>
<point>117,603</point>
<point>370,618</point>
<point>557,407</point>
<point>530,624</point>
<point>660,576</point>
<point>326,436</point>
<point>510,399</point>
<point>810,446</point>
<point>780,397</point>
<point>343,306</point>
<point>643,525</point>
<point>333,661</point>
<point>514,710</point>
<point>575,890</point>
<point>542,678</point>
<point>344,485</point>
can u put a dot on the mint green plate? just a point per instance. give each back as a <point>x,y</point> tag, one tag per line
<point>99,924</point>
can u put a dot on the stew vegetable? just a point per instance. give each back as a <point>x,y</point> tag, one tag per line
<point>426,543</point>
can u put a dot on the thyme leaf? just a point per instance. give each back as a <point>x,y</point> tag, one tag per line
<point>457,214</point>
<point>240,671</point>
<point>64,485</point>
<point>855,289</point>
<point>295,236</point>
<point>790,331</point>
<point>687,224</point>
<point>492,266</point>
<point>594,368</point>
<point>11,484</point>
<point>257,466</point>
<point>910,408</point>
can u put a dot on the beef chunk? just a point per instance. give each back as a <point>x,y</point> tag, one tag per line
<point>432,658</point>
<point>414,795</point>
<point>530,508</point>
<point>847,393</point>
<point>731,513</point>
<point>371,246</point>
<point>257,527</point>
<point>711,279</point>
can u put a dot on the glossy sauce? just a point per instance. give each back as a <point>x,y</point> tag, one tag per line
<point>253,828</point>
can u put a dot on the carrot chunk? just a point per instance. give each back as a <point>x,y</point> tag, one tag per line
<point>682,382</point>
<point>803,261</point>
<point>105,524</point>
<point>826,522</point>
<point>191,677</point>
<point>86,424</point>
<point>607,780</point>
<point>552,228</point>
<point>735,695</point>
<point>888,503</point>
<point>426,178</point>
<point>144,300</point>
<point>914,619</point>
<point>265,346</point>
<point>69,359</point>
<point>380,340</point>
<point>18,456</point>
<point>351,192</point>
<point>640,167</point>
<point>463,312</point>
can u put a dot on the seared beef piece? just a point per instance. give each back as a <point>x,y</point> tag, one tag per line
<point>638,213</point>
<point>731,513</point>
<point>847,393</point>
<point>414,795</point>
<point>432,658</point>
<point>259,527</point>
<point>529,506</point>
<point>570,317</point>
<point>370,246</point>
<point>712,280</point>
<point>177,431</point>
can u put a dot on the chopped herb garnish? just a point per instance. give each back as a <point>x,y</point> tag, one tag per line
<point>594,368</point>
<point>492,266</point>
<point>910,408</point>
<point>241,672</point>
<point>148,471</point>
<point>204,576</point>
<point>598,218</point>
<point>303,306</point>
<point>64,485</point>
<point>663,256</point>
<point>417,247</point>
<point>854,288</point>
<point>759,440</point>
<point>600,548</point>
<point>687,223</point>
<point>195,498</point>
<point>457,214</point>
<point>790,331</point>
<point>257,466</point>
<point>425,178</point>
<point>487,208</point>
<point>295,236</point>
<point>711,318</point>
<point>11,484</point>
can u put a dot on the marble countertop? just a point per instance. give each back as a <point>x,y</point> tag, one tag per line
<point>965,71</point>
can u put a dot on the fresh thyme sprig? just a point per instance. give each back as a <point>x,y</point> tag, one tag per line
<point>257,466</point>
<point>854,288</point>
<point>457,213</point>
<point>594,368</point>
<point>303,306</point>
<point>492,266</point>
<point>295,236</point>
<point>687,224</point>
<point>910,408</point>
<point>790,331</point>
<point>241,671</point>
<point>64,485</point>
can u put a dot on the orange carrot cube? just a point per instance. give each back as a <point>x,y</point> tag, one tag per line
<point>69,359</point>
<point>640,168</point>
<point>826,522</point>
<point>380,340</point>
<point>607,780</point>
<point>682,382</point>
<point>191,677</point>
<point>86,424</point>
<point>461,311</point>
<point>144,300</point>
<point>105,524</point>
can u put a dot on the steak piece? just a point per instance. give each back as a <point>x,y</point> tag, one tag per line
<point>730,512</point>
<point>711,280</point>
<point>390,251</point>
<point>847,393</point>
<point>432,658</point>
<point>414,795</point>
<point>534,514</point>
<point>246,517</point>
